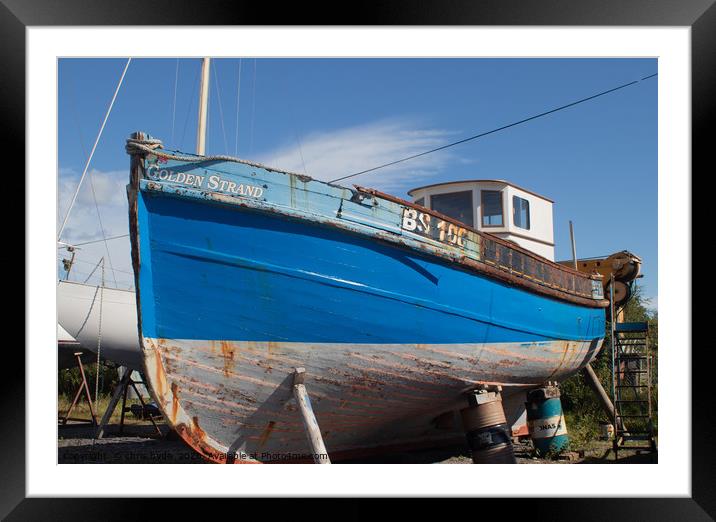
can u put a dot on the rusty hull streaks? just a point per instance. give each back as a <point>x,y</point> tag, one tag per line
<point>187,428</point>
<point>372,394</point>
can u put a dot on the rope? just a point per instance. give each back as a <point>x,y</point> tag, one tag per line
<point>94,147</point>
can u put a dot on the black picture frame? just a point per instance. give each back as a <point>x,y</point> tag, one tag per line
<point>699,15</point>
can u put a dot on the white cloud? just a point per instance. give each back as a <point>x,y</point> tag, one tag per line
<point>330,155</point>
<point>84,224</point>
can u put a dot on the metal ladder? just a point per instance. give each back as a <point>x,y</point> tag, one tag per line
<point>631,381</point>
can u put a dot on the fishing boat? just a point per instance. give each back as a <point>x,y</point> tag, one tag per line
<point>395,310</point>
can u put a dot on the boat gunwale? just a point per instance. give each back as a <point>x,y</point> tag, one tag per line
<point>456,260</point>
<point>482,233</point>
<point>388,197</point>
<point>382,195</point>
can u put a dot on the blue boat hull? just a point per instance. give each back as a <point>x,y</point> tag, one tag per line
<point>218,273</point>
<point>233,295</point>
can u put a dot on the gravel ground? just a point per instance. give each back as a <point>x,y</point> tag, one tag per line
<point>141,444</point>
<point>138,444</point>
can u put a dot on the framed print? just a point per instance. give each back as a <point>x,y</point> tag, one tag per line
<point>292,244</point>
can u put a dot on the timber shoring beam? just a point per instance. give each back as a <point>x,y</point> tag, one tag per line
<point>313,431</point>
<point>600,392</point>
<point>118,392</point>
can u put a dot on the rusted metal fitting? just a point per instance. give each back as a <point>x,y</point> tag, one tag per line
<point>479,398</point>
<point>548,391</point>
<point>299,375</point>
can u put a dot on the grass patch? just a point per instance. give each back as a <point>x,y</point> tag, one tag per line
<point>82,409</point>
<point>582,410</point>
<point>583,430</point>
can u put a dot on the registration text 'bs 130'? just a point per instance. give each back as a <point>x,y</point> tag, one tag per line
<point>433,227</point>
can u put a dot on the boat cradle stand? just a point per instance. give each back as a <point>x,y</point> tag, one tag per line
<point>486,428</point>
<point>313,432</point>
<point>121,391</point>
<point>83,386</point>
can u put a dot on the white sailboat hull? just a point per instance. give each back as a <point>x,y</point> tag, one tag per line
<point>78,312</point>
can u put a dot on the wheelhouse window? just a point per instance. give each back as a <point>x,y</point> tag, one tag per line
<point>491,208</point>
<point>521,212</point>
<point>457,205</point>
<point>420,202</point>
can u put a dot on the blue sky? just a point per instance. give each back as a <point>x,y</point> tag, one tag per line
<point>331,117</point>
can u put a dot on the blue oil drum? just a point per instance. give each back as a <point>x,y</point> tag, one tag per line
<point>545,420</point>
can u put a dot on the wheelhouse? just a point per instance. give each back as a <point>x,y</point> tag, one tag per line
<point>497,207</point>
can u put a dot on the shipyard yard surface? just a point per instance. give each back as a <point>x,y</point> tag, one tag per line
<point>140,444</point>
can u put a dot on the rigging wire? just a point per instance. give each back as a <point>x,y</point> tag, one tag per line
<point>96,264</point>
<point>208,116</point>
<point>221,110</point>
<point>498,129</point>
<point>292,118</point>
<point>93,241</point>
<point>73,105</point>
<point>174,105</point>
<point>101,227</point>
<point>93,271</point>
<point>191,106</point>
<point>253,109</point>
<point>238,100</point>
<point>94,147</point>
<point>300,151</point>
<point>296,133</point>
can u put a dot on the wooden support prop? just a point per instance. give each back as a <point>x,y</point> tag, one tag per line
<point>124,405</point>
<point>599,392</point>
<point>83,387</point>
<point>121,391</point>
<point>118,392</point>
<point>313,432</point>
<point>144,406</point>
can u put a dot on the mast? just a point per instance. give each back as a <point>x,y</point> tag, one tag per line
<point>574,247</point>
<point>203,106</point>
